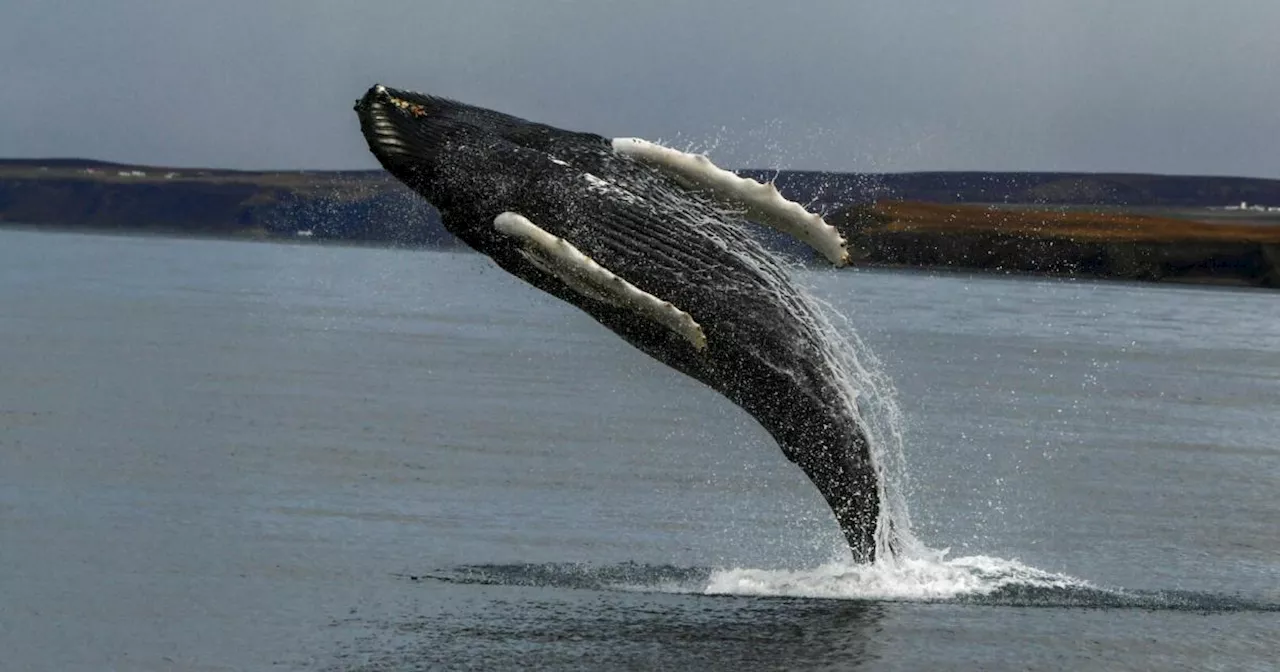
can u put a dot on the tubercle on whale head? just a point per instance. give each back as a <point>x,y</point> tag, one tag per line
<point>416,104</point>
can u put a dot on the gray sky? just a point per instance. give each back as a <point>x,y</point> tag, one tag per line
<point>1173,86</point>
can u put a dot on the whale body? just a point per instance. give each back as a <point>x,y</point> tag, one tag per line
<point>653,244</point>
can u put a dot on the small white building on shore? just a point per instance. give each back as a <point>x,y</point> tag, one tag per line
<point>1244,205</point>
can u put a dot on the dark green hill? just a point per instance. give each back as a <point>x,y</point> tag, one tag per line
<point>340,205</point>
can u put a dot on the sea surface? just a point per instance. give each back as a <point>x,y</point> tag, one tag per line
<point>244,456</point>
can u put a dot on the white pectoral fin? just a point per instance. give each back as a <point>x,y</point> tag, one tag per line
<point>560,258</point>
<point>762,202</point>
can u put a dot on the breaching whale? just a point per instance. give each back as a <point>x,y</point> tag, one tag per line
<point>651,242</point>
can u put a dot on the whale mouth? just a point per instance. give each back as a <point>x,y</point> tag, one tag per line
<point>408,131</point>
<point>386,119</point>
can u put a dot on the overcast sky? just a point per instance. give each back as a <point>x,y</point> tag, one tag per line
<point>1172,86</point>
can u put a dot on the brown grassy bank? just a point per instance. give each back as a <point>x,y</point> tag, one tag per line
<point>1078,243</point>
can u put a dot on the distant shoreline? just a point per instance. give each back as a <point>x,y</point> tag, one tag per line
<point>944,270</point>
<point>1121,226</point>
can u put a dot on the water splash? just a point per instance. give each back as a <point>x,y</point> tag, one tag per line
<point>974,580</point>
<point>866,392</point>
<point>904,579</point>
<point>869,395</point>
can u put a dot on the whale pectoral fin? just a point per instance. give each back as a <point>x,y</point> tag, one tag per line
<point>558,257</point>
<point>761,202</point>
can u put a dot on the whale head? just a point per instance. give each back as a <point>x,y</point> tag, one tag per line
<point>470,162</point>
<point>452,154</point>
<point>421,141</point>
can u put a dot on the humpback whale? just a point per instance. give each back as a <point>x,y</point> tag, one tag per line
<point>654,244</point>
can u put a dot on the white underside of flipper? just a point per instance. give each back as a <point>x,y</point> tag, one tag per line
<point>761,202</point>
<point>560,258</point>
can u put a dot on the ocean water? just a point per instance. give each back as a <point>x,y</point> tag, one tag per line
<point>219,455</point>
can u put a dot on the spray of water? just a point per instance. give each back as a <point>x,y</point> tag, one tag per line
<point>975,581</point>
<point>905,568</point>
<point>866,391</point>
<point>866,395</point>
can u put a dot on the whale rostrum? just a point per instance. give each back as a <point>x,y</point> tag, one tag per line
<point>560,258</point>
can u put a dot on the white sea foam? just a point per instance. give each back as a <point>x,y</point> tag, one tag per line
<point>907,580</point>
